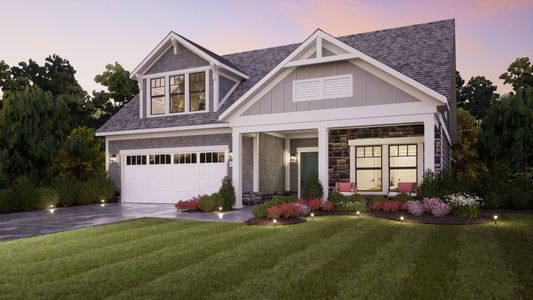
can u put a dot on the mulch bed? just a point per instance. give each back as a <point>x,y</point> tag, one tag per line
<point>428,219</point>
<point>268,222</point>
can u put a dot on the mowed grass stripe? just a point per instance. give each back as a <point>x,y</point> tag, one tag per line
<point>436,261</point>
<point>479,246</point>
<point>225,267</point>
<point>384,272</point>
<point>30,243</point>
<point>182,253</point>
<point>298,272</point>
<point>515,237</point>
<point>88,243</point>
<point>144,243</point>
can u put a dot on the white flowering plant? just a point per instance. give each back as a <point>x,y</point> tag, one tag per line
<point>464,204</point>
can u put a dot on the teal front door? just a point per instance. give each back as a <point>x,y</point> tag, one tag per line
<point>308,164</point>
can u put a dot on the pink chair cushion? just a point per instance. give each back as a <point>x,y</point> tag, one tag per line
<point>345,187</point>
<point>405,187</point>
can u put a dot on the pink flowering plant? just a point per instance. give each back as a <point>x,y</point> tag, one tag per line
<point>187,205</point>
<point>414,207</point>
<point>304,209</point>
<point>436,207</point>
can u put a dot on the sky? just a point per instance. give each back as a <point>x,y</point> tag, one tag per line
<point>90,34</point>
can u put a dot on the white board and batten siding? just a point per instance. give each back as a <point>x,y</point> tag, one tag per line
<point>169,181</point>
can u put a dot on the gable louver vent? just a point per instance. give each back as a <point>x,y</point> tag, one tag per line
<point>323,88</point>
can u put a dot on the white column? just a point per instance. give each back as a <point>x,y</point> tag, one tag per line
<point>385,176</point>
<point>429,144</point>
<point>256,163</point>
<point>237,167</point>
<point>106,154</point>
<point>287,164</point>
<point>323,154</point>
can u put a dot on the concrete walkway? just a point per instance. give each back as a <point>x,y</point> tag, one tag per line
<point>25,224</point>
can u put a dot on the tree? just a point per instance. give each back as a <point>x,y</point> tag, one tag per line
<point>477,95</point>
<point>120,90</point>
<point>80,155</point>
<point>465,158</point>
<point>507,131</point>
<point>32,127</point>
<point>227,192</point>
<point>313,188</point>
<point>55,76</point>
<point>459,84</point>
<point>519,74</point>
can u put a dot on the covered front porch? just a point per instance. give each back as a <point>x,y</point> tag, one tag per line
<point>270,160</point>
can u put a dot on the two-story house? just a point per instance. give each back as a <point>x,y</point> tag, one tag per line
<point>372,109</point>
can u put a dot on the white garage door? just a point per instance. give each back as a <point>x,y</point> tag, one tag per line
<point>167,177</point>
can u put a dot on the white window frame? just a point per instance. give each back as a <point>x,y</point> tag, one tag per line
<point>167,76</point>
<point>320,83</point>
<point>385,143</point>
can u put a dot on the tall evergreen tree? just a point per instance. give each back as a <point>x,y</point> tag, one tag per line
<point>477,95</point>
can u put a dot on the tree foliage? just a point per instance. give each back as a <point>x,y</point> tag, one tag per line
<point>313,188</point>
<point>80,155</point>
<point>519,74</point>
<point>507,131</point>
<point>476,96</point>
<point>120,90</point>
<point>32,127</point>
<point>465,157</point>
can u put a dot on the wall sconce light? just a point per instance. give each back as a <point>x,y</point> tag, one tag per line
<point>230,154</point>
<point>113,159</point>
<point>294,158</point>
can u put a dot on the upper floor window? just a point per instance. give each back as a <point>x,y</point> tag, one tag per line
<point>157,94</point>
<point>177,93</point>
<point>197,91</point>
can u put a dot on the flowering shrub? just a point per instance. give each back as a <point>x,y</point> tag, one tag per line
<point>436,207</point>
<point>187,205</point>
<point>304,209</point>
<point>376,205</point>
<point>273,212</point>
<point>414,207</point>
<point>313,204</point>
<point>464,204</point>
<point>301,201</point>
<point>327,205</point>
<point>391,206</point>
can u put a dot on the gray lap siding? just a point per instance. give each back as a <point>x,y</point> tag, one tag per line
<point>166,142</point>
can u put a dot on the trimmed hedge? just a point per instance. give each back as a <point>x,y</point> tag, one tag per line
<point>73,192</point>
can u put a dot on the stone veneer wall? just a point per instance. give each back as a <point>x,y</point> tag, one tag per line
<point>339,151</point>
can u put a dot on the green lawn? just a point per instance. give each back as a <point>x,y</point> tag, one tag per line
<point>328,257</point>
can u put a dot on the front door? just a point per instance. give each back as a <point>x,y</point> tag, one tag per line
<point>308,164</point>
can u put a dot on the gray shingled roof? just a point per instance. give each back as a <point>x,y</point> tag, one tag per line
<point>423,52</point>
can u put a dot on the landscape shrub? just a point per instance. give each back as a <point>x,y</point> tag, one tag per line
<point>23,195</point>
<point>314,204</point>
<point>353,202</point>
<point>68,190</point>
<point>286,210</point>
<point>273,212</point>
<point>463,204</point>
<point>187,205</point>
<point>211,202</point>
<point>336,197</point>
<point>376,205</point>
<point>75,192</point>
<point>304,209</point>
<point>313,187</point>
<point>260,211</point>
<point>402,197</point>
<point>227,192</point>
<point>47,196</point>
<point>301,201</point>
<point>391,206</point>
<point>436,207</point>
<point>327,206</point>
<point>437,185</point>
<point>4,201</point>
<point>377,198</point>
<point>414,207</point>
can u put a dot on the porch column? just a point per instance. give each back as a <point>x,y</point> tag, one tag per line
<point>237,167</point>
<point>323,154</point>
<point>429,144</point>
<point>255,167</point>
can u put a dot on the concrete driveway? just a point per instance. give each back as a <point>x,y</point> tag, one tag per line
<point>25,224</point>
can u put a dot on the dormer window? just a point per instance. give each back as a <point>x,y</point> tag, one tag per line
<point>178,92</point>
<point>197,91</point>
<point>157,94</point>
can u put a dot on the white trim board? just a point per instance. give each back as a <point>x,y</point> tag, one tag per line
<point>153,135</point>
<point>164,129</point>
<point>173,150</point>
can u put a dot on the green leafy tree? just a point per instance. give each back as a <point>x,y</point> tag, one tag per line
<point>32,128</point>
<point>459,84</point>
<point>227,192</point>
<point>507,131</point>
<point>313,188</point>
<point>465,157</point>
<point>519,74</point>
<point>79,156</point>
<point>476,96</point>
<point>120,90</point>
